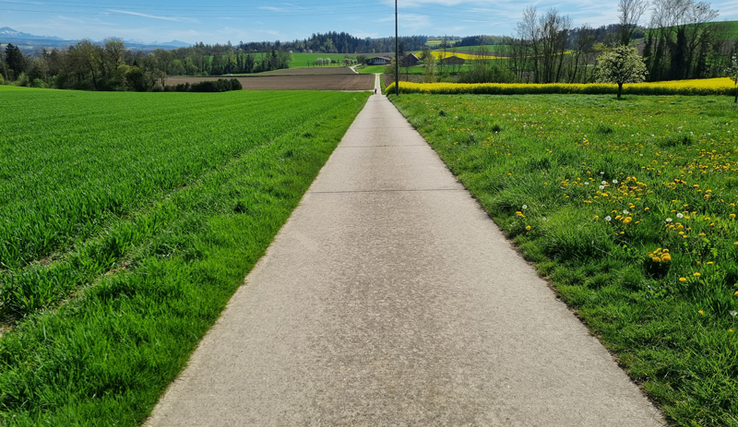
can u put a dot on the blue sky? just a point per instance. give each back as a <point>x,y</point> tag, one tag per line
<point>219,21</point>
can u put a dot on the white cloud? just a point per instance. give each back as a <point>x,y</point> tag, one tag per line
<point>163,18</point>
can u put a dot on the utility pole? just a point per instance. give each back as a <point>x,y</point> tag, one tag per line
<point>397,56</point>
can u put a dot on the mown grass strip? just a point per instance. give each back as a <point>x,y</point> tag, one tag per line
<point>718,86</point>
<point>103,355</point>
<point>629,208</point>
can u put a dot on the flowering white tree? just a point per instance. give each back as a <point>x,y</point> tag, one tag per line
<point>620,65</point>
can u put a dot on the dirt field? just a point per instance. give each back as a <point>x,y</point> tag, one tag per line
<point>311,70</point>
<point>305,82</point>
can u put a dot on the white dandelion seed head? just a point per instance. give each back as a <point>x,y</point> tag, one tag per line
<point>733,313</point>
<point>668,219</point>
<point>614,181</point>
<point>608,218</point>
<point>680,215</point>
<point>602,187</point>
<point>525,206</point>
<point>602,173</point>
<point>603,182</point>
<point>626,212</point>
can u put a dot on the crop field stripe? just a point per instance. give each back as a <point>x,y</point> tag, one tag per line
<point>35,286</point>
<point>36,184</point>
<point>147,284</point>
<point>630,209</point>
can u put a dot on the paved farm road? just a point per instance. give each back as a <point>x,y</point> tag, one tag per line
<point>390,299</point>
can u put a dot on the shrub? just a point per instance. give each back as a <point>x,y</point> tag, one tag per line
<point>220,85</point>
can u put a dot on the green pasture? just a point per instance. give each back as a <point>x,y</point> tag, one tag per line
<point>629,209</point>
<point>301,60</point>
<point>127,220</point>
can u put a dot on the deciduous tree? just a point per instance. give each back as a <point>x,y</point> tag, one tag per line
<point>620,65</point>
<point>629,13</point>
<point>732,72</point>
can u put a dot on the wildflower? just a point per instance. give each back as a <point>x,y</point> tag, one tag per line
<point>627,220</point>
<point>603,182</point>
<point>525,207</point>
<point>682,279</point>
<point>697,275</point>
<point>731,216</point>
<point>702,313</point>
<point>626,212</point>
<point>710,263</point>
<point>602,187</point>
<point>656,259</point>
<point>609,218</point>
<point>666,257</point>
<point>527,228</point>
<point>668,219</point>
<point>735,294</point>
<point>614,181</point>
<point>597,217</point>
<point>680,215</point>
<point>732,313</point>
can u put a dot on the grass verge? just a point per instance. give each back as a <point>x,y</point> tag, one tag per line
<point>629,208</point>
<point>103,354</point>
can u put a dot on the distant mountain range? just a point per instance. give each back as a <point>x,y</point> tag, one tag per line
<point>28,42</point>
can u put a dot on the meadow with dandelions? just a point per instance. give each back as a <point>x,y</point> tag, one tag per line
<point>629,208</point>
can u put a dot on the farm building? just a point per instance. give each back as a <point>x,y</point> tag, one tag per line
<point>453,60</point>
<point>379,60</point>
<point>409,60</point>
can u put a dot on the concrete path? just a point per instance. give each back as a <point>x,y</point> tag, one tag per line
<point>390,299</point>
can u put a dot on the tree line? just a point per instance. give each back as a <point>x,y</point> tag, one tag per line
<point>333,42</point>
<point>682,41</point>
<point>111,66</point>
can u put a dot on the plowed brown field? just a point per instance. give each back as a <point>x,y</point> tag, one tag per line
<point>306,82</point>
<point>311,70</point>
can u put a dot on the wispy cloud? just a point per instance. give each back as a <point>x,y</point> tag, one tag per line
<point>163,18</point>
<point>274,9</point>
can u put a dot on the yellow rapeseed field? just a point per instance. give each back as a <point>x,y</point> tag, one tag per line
<point>716,86</point>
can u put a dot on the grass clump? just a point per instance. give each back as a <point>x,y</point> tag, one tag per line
<point>630,209</point>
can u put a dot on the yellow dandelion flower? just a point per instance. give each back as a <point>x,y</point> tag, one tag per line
<point>697,275</point>
<point>656,259</point>
<point>666,257</point>
<point>527,228</point>
<point>731,216</point>
<point>702,313</point>
<point>682,279</point>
